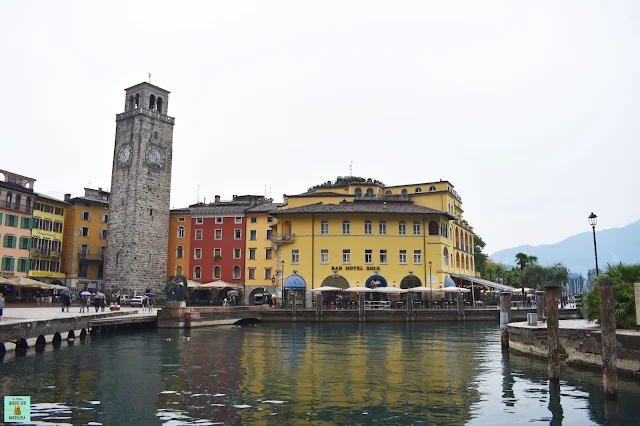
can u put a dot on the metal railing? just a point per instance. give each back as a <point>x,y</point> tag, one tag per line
<point>282,238</point>
<point>46,253</point>
<point>89,256</point>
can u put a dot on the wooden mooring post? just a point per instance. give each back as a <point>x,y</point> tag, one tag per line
<point>460,306</point>
<point>608,331</point>
<point>553,330</point>
<point>319,302</point>
<point>505,317</point>
<point>361,307</point>
<point>541,304</point>
<point>293,305</point>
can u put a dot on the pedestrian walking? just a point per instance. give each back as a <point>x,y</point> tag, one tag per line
<point>102,303</point>
<point>151,303</point>
<point>67,301</point>
<point>83,304</point>
<point>39,299</point>
<point>96,301</point>
<point>63,301</point>
<point>1,305</point>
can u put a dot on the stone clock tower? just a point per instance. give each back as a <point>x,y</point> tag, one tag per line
<point>138,228</point>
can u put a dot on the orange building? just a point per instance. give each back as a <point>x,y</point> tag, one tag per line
<point>179,246</point>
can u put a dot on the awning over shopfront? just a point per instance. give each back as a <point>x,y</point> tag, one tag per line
<point>375,281</point>
<point>486,283</point>
<point>295,282</point>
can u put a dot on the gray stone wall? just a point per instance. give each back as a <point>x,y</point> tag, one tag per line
<point>138,230</point>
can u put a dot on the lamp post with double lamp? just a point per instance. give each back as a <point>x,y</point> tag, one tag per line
<point>430,286</point>
<point>593,220</point>
<point>282,287</point>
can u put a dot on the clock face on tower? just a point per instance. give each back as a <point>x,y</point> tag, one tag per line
<point>155,156</point>
<point>124,156</point>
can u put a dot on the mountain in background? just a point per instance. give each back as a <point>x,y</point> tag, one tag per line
<point>576,253</point>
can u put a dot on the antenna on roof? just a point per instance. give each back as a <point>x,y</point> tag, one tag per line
<point>198,195</point>
<point>89,184</point>
<point>265,191</point>
<point>269,191</point>
<point>351,169</point>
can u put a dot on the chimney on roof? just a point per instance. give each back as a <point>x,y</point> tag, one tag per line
<point>217,198</point>
<point>99,188</point>
<point>67,197</point>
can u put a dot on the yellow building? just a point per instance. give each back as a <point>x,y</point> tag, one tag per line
<point>16,205</point>
<point>179,243</point>
<point>347,233</point>
<point>47,237</point>
<point>260,256</point>
<point>86,238</point>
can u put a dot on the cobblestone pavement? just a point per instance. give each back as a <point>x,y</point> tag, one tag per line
<point>15,314</point>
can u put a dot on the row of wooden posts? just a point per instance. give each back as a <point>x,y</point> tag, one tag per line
<point>607,328</point>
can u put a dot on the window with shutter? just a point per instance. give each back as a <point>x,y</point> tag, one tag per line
<point>6,241</point>
<point>0,217</point>
<point>12,267</point>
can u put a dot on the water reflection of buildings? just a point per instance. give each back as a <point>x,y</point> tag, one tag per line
<point>412,372</point>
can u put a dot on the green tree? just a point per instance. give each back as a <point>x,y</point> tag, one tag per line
<point>537,277</point>
<point>521,260</point>
<point>622,276</point>
<point>479,257</point>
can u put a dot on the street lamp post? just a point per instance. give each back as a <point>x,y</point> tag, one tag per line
<point>282,287</point>
<point>430,286</point>
<point>593,220</point>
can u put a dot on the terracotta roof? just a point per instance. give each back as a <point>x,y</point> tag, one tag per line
<point>320,194</point>
<point>16,187</point>
<point>264,208</point>
<point>368,207</point>
<point>423,183</point>
<point>48,198</point>
<point>90,200</point>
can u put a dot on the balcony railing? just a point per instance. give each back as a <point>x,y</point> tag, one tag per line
<point>89,256</point>
<point>282,238</point>
<point>45,253</point>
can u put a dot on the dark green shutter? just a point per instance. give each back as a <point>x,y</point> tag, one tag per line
<point>15,239</point>
<point>0,217</point>
<point>27,267</point>
<point>29,244</point>
<point>6,241</point>
<point>6,220</point>
<point>12,267</point>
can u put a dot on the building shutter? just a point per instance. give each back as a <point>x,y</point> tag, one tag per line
<point>31,223</point>
<point>0,217</point>
<point>27,265</point>
<point>6,220</point>
<point>14,242</point>
<point>11,265</point>
<point>30,244</point>
<point>6,241</point>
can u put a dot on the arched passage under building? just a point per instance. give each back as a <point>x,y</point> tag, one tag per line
<point>335,281</point>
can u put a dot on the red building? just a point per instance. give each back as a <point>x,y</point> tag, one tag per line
<point>217,239</point>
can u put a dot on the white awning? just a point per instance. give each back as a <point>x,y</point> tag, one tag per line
<point>485,283</point>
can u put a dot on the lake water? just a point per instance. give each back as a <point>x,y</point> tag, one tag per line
<point>285,374</point>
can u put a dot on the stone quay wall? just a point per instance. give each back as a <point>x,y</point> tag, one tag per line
<point>582,346</point>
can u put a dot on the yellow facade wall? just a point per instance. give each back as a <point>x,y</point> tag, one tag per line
<point>175,264</point>
<point>303,201</point>
<point>55,255</point>
<point>309,242</point>
<point>260,244</point>
<point>74,239</point>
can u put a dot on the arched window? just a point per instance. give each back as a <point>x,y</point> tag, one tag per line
<point>432,188</point>
<point>358,192</point>
<point>457,260</point>
<point>179,252</point>
<point>416,228</point>
<point>445,255</point>
<point>402,228</point>
<point>388,192</point>
<point>9,200</point>
<point>346,227</point>
<point>457,239</point>
<point>433,227</point>
<point>18,201</point>
<point>370,192</point>
<point>28,205</point>
<point>466,263</point>
<point>130,106</point>
<point>324,227</point>
<point>152,102</point>
<point>217,272</point>
<point>367,227</point>
<point>382,228</point>
<point>418,190</point>
<point>404,193</point>
<point>137,103</point>
<point>472,264</point>
<point>180,231</point>
<point>178,270</point>
<point>236,272</point>
<point>159,105</point>
<point>197,273</point>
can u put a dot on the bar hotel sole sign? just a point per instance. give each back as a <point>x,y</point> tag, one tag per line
<point>17,409</point>
<point>356,268</point>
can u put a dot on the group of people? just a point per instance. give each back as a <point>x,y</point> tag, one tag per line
<point>147,304</point>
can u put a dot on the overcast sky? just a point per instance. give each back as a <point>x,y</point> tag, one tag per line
<point>531,110</point>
